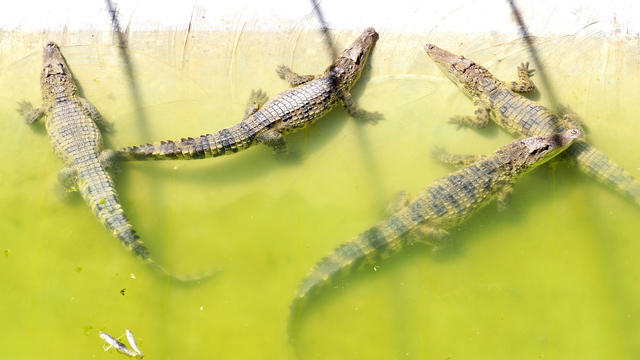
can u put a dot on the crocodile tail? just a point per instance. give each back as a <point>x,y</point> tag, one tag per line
<point>226,141</point>
<point>98,190</point>
<point>598,165</point>
<point>366,249</point>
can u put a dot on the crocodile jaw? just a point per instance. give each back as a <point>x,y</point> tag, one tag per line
<point>454,66</point>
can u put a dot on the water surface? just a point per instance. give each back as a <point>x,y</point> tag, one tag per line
<point>553,277</point>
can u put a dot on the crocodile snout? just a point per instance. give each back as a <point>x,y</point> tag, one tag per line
<point>370,31</point>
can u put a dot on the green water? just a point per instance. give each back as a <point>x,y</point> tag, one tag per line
<point>554,277</point>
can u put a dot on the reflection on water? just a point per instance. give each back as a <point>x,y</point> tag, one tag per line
<point>552,277</point>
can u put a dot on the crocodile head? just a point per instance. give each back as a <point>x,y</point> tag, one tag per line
<point>348,66</point>
<point>56,78</point>
<point>472,78</point>
<point>525,154</point>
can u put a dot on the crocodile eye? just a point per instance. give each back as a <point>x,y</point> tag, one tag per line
<point>540,150</point>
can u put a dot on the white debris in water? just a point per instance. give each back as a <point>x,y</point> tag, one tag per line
<point>132,341</point>
<point>176,167</point>
<point>114,343</point>
<point>111,342</point>
<point>132,275</point>
<point>201,308</point>
<point>376,267</point>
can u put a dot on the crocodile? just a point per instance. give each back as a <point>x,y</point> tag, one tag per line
<point>445,204</point>
<point>265,122</point>
<point>520,116</point>
<point>73,125</point>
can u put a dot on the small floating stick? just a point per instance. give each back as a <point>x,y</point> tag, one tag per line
<point>122,348</point>
<point>132,342</point>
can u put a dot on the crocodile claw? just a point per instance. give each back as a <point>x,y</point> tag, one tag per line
<point>372,117</point>
<point>524,67</point>
<point>457,120</point>
<point>282,71</point>
<point>258,96</point>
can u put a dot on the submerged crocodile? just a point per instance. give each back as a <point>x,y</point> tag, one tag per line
<point>72,124</point>
<point>445,204</point>
<point>522,117</point>
<point>266,123</point>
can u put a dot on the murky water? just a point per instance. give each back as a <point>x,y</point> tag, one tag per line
<point>553,277</point>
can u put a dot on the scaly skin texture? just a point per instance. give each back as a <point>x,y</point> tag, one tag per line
<point>311,98</point>
<point>521,116</point>
<point>443,205</point>
<point>72,124</point>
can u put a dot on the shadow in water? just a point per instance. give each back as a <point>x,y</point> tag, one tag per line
<point>529,40</point>
<point>365,146</point>
<point>37,128</point>
<point>159,243</point>
<point>373,173</point>
<point>324,27</point>
<point>129,69</point>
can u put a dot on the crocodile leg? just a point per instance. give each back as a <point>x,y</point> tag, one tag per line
<point>108,158</point>
<point>30,113</point>
<point>67,177</point>
<point>429,235</point>
<point>357,113</point>
<point>480,118</point>
<point>399,201</point>
<point>274,140</point>
<point>524,83</point>
<point>504,197</point>
<point>292,78</point>
<point>455,159</point>
<point>256,100</point>
<point>94,114</point>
